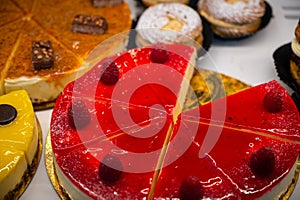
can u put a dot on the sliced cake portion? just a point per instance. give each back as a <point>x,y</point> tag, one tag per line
<point>118,114</point>
<point>101,155</point>
<point>244,149</point>
<point>270,108</point>
<point>143,76</point>
<point>18,140</point>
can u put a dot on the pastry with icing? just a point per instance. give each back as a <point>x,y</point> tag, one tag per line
<point>119,132</point>
<point>233,18</point>
<point>154,2</point>
<point>18,142</point>
<point>44,72</point>
<point>295,56</point>
<point>169,23</point>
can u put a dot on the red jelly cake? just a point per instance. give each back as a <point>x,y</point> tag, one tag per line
<point>119,132</point>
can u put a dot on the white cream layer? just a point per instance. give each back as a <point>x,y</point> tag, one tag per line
<point>47,88</point>
<point>43,89</point>
<point>296,47</point>
<point>282,186</point>
<point>71,189</point>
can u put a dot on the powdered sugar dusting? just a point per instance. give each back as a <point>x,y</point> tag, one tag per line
<point>155,18</point>
<point>237,13</point>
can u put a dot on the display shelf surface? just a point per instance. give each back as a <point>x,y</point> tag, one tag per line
<point>249,60</point>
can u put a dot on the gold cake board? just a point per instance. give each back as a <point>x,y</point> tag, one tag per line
<point>29,174</point>
<point>208,86</point>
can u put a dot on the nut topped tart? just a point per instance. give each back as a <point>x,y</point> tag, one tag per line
<point>67,32</point>
<point>19,143</point>
<point>119,132</point>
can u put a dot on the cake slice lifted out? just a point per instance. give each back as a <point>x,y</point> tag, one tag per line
<point>245,146</point>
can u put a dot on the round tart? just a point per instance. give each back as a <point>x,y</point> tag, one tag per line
<point>119,132</point>
<point>44,45</point>
<point>169,23</point>
<point>20,145</point>
<point>233,18</point>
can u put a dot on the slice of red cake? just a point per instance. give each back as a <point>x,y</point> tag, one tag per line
<point>109,127</point>
<point>102,159</point>
<point>244,146</point>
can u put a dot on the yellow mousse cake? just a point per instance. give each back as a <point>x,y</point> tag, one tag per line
<point>18,140</point>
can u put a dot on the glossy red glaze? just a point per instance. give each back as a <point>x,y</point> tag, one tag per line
<point>138,142</point>
<point>237,125</point>
<point>224,166</point>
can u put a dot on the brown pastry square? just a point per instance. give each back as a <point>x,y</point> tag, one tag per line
<point>102,3</point>
<point>89,24</point>
<point>42,55</point>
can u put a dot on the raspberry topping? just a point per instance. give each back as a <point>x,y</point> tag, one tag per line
<point>78,114</point>
<point>110,72</point>
<point>191,189</point>
<point>159,53</point>
<point>273,101</point>
<point>110,169</point>
<point>262,162</point>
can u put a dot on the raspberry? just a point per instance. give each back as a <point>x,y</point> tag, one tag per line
<point>159,53</point>
<point>110,169</point>
<point>191,189</point>
<point>273,101</point>
<point>262,162</point>
<point>110,72</point>
<point>78,114</point>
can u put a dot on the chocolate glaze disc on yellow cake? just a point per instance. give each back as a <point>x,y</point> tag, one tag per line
<point>24,22</point>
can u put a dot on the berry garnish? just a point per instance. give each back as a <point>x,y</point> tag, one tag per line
<point>109,73</point>
<point>78,114</point>
<point>273,101</point>
<point>159,53</point>
<point>262,162</point>
<point>191,189</point>
<point>110,169</point>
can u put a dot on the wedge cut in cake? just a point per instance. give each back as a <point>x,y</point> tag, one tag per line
<point>44,72</point>
<point>119,132</point>
<point>18,141</point>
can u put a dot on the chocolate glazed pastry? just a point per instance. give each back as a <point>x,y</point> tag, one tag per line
<point>89,24</point>
<point>281,58</point>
